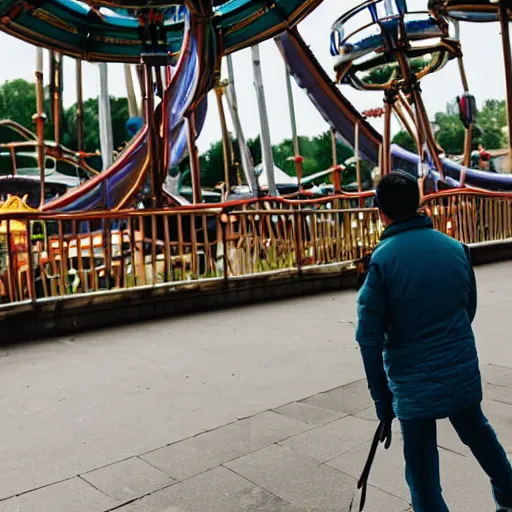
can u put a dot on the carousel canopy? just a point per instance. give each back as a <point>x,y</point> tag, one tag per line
<point>118,31</point>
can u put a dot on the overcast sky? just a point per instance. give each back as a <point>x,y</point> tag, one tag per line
<point>482,54</point>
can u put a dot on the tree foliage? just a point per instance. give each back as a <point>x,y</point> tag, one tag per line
<point>488,129</point>
<point>317,153</point>
<point>403,139</point>
<point>18,102</point>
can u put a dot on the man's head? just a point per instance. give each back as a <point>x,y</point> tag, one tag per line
<point>397,196</point>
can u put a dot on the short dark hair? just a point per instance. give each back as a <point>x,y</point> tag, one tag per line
<point>398,195</point>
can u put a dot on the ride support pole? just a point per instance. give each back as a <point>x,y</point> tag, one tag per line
<point>336,176</point>
<point>386,143</point>
<point>507,57</point>
<point>469,130</point>
<point>405,123</point>
<point>225,136</point>
<point>293,121</point>
<point>40,120</point>
<point>79,106</point>
<point>193,156</point>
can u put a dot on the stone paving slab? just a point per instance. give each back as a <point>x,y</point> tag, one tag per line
<point>367,414</point>
<point>302,481</point>
<point>496,375</point>
<point>181,385</point>
<point>309,413</point>
<point>497,383</point>
<point>329,441</point>
<point>217,490</point>
<point>73,495</point>
<point>500,417</point>
<point>350,399</point>
<point>465,485</point>
<point>206,451</point>
<point>128,479</point>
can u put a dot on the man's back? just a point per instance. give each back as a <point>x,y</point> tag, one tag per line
<point>429,354</point>
<point>415,310</point>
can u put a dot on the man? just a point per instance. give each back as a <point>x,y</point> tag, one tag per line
<point>415,312</point>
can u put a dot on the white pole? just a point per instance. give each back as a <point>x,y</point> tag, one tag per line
<point>293,119</point>
<point>130,91</point>
<point>245,155</point>
<point>105,119</point>
<point>266,143</point>
<point>231,79</point>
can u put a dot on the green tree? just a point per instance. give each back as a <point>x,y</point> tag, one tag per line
<point>488,128</point>
<point>404,139</point>
<point>254,146</point>
<point>119,113</point>
<point>323,151</point>
<point>451,133</point>
<point>491,119</point>
<point>18,101</point>
<point>212,165</point>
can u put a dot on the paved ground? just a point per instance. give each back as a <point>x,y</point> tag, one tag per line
<point>188,415</point>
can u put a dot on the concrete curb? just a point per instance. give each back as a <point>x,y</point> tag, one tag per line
<point>30,321</point>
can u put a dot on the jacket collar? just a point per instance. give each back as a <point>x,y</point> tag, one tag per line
<point>417,221</point>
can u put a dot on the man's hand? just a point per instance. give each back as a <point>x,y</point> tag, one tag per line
<point>384,410</point>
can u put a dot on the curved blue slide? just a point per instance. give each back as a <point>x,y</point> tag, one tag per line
<point>115,187</point>
<point>342,116</point>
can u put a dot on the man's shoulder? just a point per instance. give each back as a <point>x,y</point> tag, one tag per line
<point>392,247</point>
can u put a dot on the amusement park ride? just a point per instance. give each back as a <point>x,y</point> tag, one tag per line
<point>124,226</point>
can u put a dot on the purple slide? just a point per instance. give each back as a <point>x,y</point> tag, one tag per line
<point>342,117</point>
<point>115,187</point>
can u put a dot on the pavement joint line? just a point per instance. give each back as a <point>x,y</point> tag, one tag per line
<point>90,484</point>
<point>141,455</point>
<point>369,482</point>
<point>153,466</point>
<point>313,425</point>
<point>254,483</point>
<point>500,401</point>
<point>17,495</point>
<point>452,451</point>
<point>81,475</point>
<point>138,498</point>
<point>326,391</point>
<point>367,443</point>
<point>499,366</point>
<point>227,461</point>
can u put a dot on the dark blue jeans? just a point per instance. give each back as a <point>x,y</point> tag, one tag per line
<point>422,458</point>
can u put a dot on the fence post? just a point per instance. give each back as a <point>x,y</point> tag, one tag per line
<point>224,219</point>
<point>298,239</point>
<point>30,264</point>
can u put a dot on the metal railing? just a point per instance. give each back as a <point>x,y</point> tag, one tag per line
<point>471,216</point>
<point>50,256</point>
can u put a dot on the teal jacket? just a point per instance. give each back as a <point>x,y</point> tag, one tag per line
<point>415,311</point>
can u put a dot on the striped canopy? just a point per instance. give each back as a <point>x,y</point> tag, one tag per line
<point>109,30</point>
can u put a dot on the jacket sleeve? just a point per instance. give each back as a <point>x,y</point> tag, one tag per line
<point>472,305</point>
<point>372,327</point>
